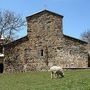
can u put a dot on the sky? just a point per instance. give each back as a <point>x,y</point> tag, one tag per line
<point>76,12</point>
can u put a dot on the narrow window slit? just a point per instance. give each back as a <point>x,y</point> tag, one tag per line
<point>41,52</point>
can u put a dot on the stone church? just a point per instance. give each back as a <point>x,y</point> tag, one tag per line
<point>45,45</point>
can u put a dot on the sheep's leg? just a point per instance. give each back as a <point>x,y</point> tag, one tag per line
<point>55,75</point>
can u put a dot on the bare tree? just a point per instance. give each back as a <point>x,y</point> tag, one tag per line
<point>10,23</point>
<point>86,36</point>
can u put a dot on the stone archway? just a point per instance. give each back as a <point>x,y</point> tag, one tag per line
<point>1,67</point>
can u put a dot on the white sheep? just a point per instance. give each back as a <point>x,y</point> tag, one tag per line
<point>56,72</point>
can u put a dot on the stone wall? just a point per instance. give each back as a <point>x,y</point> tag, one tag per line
<point>73,54</point>
<point>45,46</point>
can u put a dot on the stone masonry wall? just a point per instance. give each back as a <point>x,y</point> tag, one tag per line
<point>46,46</point>
<point>72,55</point>
<point>45,34</point>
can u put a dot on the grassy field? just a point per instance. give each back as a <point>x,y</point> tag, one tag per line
<point>73,80</point>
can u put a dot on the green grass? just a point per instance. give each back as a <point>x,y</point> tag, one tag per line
<point>73,80</point>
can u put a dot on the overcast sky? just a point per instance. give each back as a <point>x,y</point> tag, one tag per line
<point>76,12</point>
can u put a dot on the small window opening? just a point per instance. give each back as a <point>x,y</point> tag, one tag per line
<point>1,67</point>
<point>41,52</point>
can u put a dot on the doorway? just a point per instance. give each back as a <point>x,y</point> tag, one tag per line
<point>88,60</point>
<point>1,67</point>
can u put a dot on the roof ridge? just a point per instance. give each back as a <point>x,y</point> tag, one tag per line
<point>45,10</point>
<point>75,38</point>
